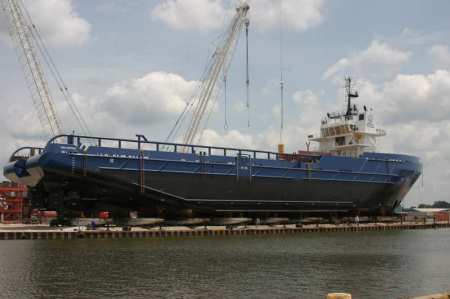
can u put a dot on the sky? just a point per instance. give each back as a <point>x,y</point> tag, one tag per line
<point>132,65</point>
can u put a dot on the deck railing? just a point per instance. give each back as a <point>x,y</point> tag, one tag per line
<point>25,153</point>
<point>142,143</point>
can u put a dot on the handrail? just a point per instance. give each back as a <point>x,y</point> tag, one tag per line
<point>32,152</point>
<point>71,139</point>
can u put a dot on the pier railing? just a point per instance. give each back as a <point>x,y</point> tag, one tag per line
<point>142,143</point>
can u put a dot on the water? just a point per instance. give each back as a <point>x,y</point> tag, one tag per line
<point>366,264</point>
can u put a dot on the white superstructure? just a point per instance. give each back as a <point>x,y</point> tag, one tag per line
<point>348,134</point>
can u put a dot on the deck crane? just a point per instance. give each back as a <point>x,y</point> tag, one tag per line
<point>29,44</point>
<point>219,63</point>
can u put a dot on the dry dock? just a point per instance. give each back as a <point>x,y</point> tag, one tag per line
<point>45,233</point>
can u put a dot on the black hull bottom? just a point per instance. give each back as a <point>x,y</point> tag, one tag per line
<point>186,195</point>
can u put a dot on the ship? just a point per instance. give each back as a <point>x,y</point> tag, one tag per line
<point>344,176</point>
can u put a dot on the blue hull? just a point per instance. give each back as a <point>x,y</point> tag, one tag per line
<point>157,178</point>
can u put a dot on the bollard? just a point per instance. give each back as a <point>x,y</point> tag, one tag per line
<point>339,296</point>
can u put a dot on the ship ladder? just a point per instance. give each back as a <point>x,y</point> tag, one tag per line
<point>73,165</point>
<point>244,167</point>
<point>141,172</point>
<point>309,169</point>
<point>84,162</point>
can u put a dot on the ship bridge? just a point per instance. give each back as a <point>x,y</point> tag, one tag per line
<point>348,134</point>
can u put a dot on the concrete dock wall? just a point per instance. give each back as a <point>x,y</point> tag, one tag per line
<point>55,234</point>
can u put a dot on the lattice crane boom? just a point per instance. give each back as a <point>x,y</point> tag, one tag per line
<point>21,34</point>
<point>220,63</point>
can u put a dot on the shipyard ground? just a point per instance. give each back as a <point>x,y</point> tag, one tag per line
<point>34,232</point>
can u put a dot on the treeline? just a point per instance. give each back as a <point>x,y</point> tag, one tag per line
<point>437,204</point>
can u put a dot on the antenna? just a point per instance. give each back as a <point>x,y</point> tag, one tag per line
<point>281,75</point>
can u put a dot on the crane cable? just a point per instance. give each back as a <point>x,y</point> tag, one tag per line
<point>247,81</point>
<point>225,126</point>
<point>281,75</point>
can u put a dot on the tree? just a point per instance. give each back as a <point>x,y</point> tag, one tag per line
<point>441,204</point>
<point>424,206</point>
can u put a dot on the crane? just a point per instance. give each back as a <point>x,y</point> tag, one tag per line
<point>31,49</point>
<point>219,63</point>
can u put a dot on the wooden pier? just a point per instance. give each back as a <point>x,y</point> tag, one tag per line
<point>183,232</point>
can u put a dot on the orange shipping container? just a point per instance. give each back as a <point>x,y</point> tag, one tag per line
<point>442,216</point>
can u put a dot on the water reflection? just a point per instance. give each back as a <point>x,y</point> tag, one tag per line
<point>369,265</point>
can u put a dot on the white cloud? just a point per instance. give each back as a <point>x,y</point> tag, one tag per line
<point>232,138</point>
<point>298,15</point>
<point>20,127</point>
<point>190,14</point>
<point>441,56</point>
<point>155,97</point>
<point>205,15</point>
<point>414,37</point>
<point>57,21</point>
<point>147,105</point>
<point>305,98</point>
<point>410,97</point>
<point>378,61</point>
<point>430,142</point>
<point>21,120</point>
<point>310,106</point>
<point>295,137</point>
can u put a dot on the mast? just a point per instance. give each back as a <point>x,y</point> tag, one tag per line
<point>280,143</point>
<point>350,95</point>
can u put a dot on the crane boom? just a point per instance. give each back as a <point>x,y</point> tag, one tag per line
<point>220,63</point>
<point>21,34</point>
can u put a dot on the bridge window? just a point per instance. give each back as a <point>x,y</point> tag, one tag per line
<point>340,141</point>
